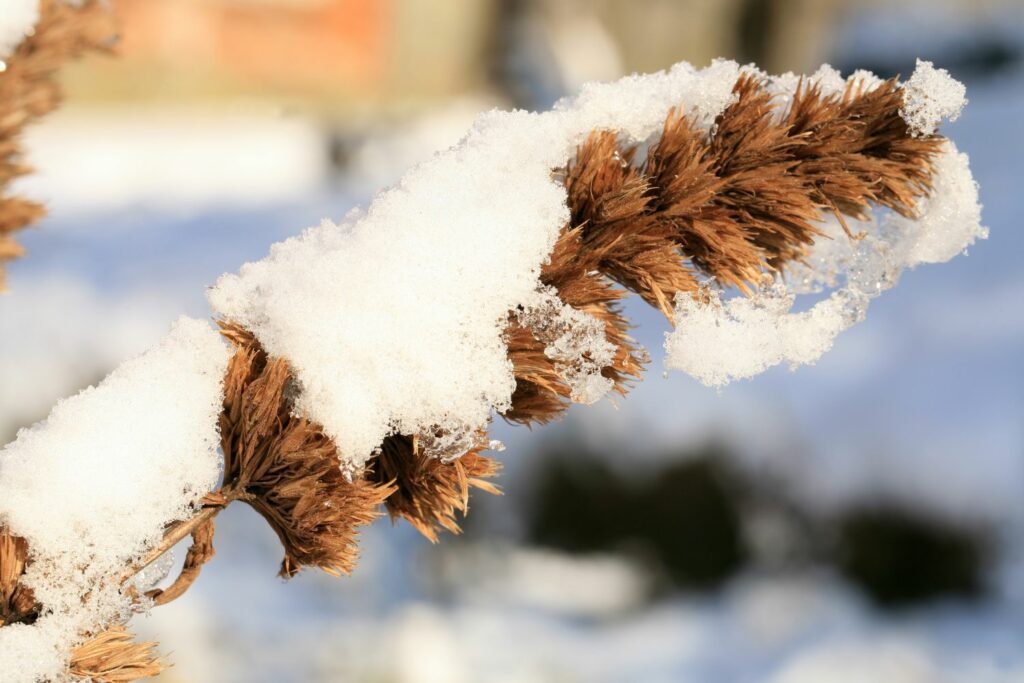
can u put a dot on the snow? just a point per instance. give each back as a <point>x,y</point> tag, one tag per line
<point>719,341</point>
<point>393,319</point>
<point>92,487</point>
<point>828,79</point>
<point>17,19</point>
<point>950,218</point>
<point>930,96</point>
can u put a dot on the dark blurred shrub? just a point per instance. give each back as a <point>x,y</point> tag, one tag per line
<point>682,517</point>
<point>900,558</point>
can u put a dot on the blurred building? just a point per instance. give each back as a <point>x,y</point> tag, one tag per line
<point>345,55</point>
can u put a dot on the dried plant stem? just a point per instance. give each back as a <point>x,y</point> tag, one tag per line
<point>174,535</point>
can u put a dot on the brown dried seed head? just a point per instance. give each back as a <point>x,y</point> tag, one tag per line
<point>286,468</point>
<point>742,200</point>
<point>733,204</point>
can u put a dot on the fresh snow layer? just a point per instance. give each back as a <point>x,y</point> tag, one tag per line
<point>17,20</point>
<point>92,487</point>
<point>718,341</point>
<point>393,319</point>
<point>950,218</point>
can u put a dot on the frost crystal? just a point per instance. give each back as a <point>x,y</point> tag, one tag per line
<point>575,341</point>
<point>92,487</point>
<point>929,96</point>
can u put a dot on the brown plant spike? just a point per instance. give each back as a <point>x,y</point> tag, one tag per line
<point>286,468</point>
<point>742,202</point>
<point>28,90</point>
<point>114,657</point>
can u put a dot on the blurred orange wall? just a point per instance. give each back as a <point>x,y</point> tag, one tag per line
<point>303,43</point>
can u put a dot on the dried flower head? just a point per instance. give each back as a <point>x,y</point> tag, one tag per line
<point>286,468</point>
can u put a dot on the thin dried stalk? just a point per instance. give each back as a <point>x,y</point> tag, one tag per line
<point>176,532</point>
<point>114,657</point>
<point>199,553</point>
<point>29,90</point>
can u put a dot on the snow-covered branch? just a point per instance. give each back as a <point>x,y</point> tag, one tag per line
<point>367,358</point>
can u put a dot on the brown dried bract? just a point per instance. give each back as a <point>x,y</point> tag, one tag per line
<point>17,604</point>
<point>28,90</point>
<point>541,392</point>
<point>113,656</point>
<point>286,468</point>
<point>857,149</point>
<point>428,492</point>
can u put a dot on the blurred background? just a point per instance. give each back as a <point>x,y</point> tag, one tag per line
<point>859,520</point>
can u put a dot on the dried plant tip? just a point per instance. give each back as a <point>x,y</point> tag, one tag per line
<point>428,492</point>
<point>28,90</point>
<point>286,468</point>
<point>17,604</point>
<point>113,656</point>
<point>741,201</point>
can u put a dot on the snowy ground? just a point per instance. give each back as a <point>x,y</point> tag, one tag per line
<point>923,402</point>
